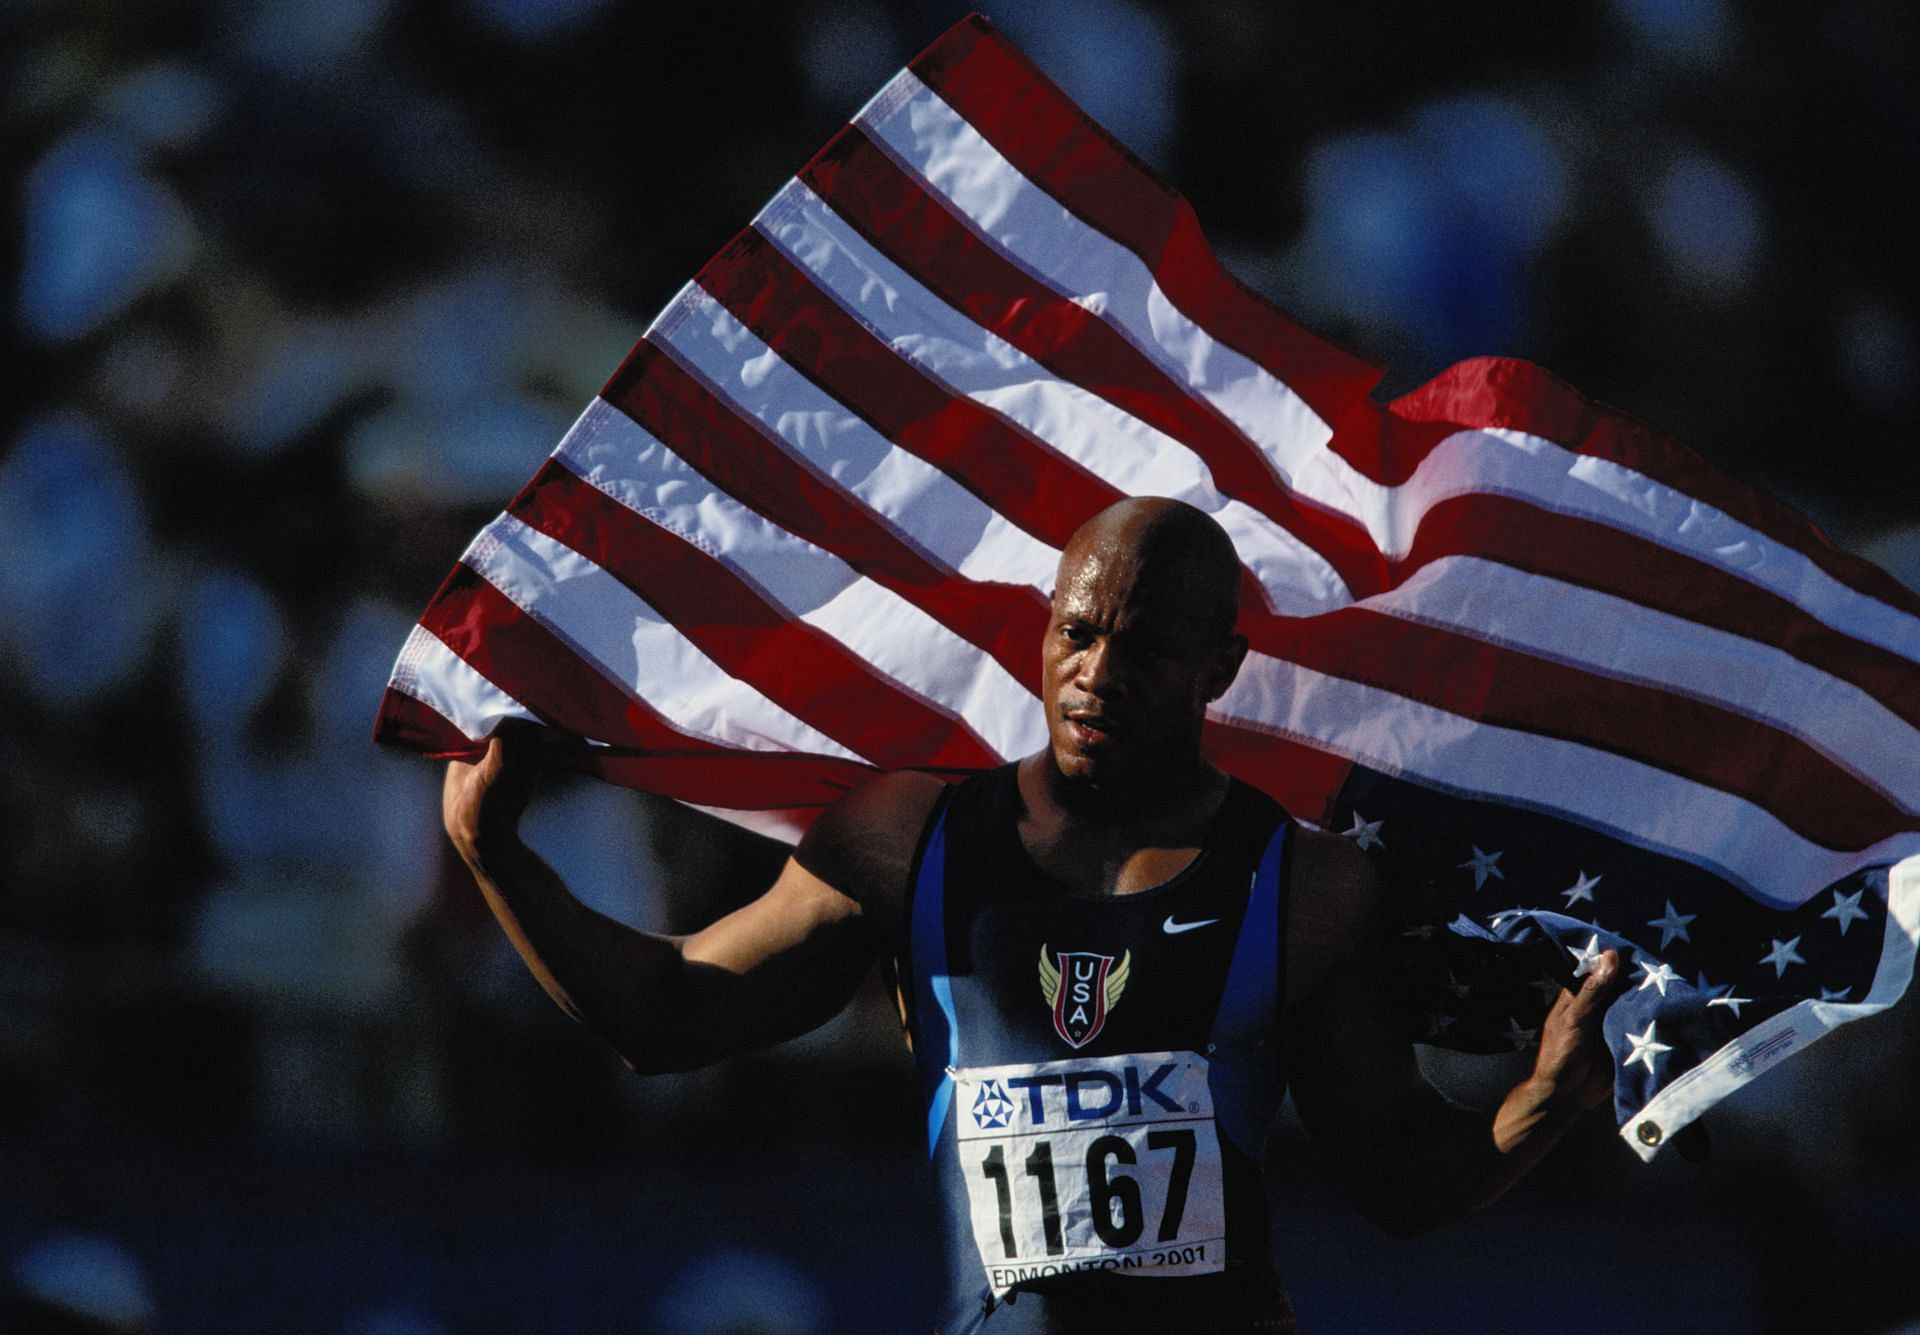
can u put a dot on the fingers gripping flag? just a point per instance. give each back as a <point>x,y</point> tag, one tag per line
<point>1579,688</point>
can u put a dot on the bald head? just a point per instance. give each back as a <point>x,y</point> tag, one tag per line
<point>1177,556</point>
<point>1140,643</point>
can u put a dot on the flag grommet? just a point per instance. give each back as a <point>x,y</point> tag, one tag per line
<point>1649,1133</point>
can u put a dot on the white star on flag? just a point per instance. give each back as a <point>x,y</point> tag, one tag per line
<point>1365,833</point>
<point>1674,924</point>
<point>1657,975</point>
<point>1582,888</point>
<point>1455,986</point>
<point>1584,960</point>
<point>1645,1048</point>
<point>1731,1002</point>
<point>1548,986</point>
<point>1834,993</point>
<point>1782,954</point>
<point>1846,909</point>
<point>1482,865</point>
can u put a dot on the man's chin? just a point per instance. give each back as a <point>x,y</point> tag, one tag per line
<point>1098,764</point>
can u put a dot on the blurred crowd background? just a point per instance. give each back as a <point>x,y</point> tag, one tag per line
<point>301,291</point>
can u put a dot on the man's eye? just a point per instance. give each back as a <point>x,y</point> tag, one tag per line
<point>1077,635</point>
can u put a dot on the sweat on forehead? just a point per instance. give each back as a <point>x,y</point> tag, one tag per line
<point>1167,546</point>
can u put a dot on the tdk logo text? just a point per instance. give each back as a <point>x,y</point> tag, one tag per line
<point>1091,1094</point>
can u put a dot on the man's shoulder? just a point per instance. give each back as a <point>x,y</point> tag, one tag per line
<point>1331,863</point>
<point>863,844</point>
<point>1334,895</point>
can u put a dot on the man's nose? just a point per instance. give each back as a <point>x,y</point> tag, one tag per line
<point>1097,674</point>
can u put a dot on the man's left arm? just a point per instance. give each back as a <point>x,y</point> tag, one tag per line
<point>1410,1158</point>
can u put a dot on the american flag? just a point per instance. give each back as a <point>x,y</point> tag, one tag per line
<point>1571,685</point>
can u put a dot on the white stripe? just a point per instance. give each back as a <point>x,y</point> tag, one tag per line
<point>447,684</point>
<point>933,143</point>
<point>784,825</point>
<point>915,498</point>
<point>612,452</point>
<point>966,359</point>
<point>1645,806</point>
<point>633,645</point>
<point>1535,469</point>
<point>1623,640</point>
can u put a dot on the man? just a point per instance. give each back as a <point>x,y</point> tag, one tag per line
<point>1096,1118</point>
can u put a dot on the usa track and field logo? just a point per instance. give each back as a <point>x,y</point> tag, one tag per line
<point>1081,988</point>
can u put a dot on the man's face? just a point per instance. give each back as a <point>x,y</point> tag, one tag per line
<point>1129,667</point>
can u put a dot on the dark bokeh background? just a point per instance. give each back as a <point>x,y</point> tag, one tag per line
<point>302,290</point>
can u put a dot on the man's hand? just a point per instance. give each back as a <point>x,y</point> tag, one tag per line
<point>481,802</point>
<point>765,972</point>
<point>1573,1070</point>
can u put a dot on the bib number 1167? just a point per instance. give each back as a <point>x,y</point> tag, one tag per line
<point>1116,1211</point>
<point>1105,1163</point>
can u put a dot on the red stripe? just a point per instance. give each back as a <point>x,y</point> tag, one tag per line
<point>900,219</point>
<point>1497,392</point>
<point>1026,481</point>
<point>1596,556</point>
<point>1293,771</point>
<point>1038,129</point>
<point>1508,688</point>
<point>807,673</point>
<point>515,652</point>
<point>757,470</point>
<point>1030,483</point>
<point>730,780</point>
<point>405,721</point>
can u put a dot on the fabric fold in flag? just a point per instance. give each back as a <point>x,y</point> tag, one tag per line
<point>1571,686</point>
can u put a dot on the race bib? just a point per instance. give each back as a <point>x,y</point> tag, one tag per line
<point>1106,1163</point>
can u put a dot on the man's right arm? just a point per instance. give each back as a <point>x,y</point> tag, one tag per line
<point>1409,1157</point>
<point>766,972</point>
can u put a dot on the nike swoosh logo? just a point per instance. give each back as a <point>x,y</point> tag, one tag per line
<point>1172,928</point>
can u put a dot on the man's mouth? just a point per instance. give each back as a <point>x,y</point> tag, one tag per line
<point>1087,727</point>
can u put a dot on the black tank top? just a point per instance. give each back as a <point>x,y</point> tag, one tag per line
<point>1099,1073</point>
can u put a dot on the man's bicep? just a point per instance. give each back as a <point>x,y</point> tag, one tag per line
<point>791,960</point>
<point>1352,1074</point>
<point>1356,1083</point>
<point>777,967</point>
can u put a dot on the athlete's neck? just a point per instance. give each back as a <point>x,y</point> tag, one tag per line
<point>1172,805</point>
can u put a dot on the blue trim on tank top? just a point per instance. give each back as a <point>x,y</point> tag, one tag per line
<point>932,984</point>
<point>1241,1076</point>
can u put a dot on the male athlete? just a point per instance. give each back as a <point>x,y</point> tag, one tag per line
<point>1112,958</point>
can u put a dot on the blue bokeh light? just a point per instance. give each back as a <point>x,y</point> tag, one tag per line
<point>533,20</point>
<point>232,645</point>
<point>78,593</point>
<point>1114,59</point>
<point>100,231</point>
<point>1708,222</point>
<point>166,105</point>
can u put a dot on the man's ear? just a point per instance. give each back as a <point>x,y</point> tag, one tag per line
<point>1227,666</point>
